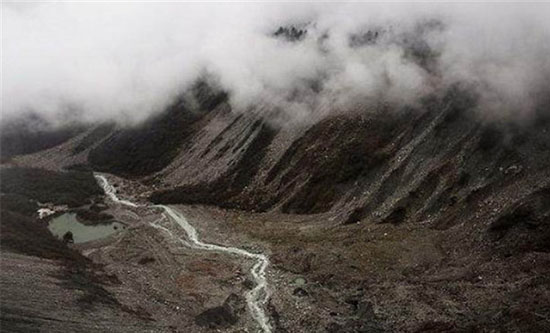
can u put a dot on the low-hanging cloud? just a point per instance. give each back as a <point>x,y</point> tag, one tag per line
<point>124,61</point>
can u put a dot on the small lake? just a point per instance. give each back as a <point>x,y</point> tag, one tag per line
<point>82,233</point>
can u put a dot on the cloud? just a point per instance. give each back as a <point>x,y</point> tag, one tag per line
<point>125,61</point>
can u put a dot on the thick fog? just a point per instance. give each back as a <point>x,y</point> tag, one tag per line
<point>123,61</point>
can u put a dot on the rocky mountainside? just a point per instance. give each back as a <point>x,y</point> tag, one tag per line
<point>463,197</point>
<point>440,164</point>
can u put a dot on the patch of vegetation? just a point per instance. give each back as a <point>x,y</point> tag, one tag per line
<point>73,188</point>
<point>18,203</point>
<point>30,134</point>
<point>79,167</point>
<point>91,217</point>
<point>26,235</point>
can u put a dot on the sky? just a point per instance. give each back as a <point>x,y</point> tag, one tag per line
<point>97,61</point>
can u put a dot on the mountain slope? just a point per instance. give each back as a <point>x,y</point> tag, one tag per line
<point>426,218</point>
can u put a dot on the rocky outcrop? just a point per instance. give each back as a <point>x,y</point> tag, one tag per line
<point>222,316</point>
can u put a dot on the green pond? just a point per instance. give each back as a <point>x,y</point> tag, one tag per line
<point>62,224</point>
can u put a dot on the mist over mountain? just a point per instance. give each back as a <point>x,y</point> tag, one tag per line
<point>127,61</point>
<point>275,167</point>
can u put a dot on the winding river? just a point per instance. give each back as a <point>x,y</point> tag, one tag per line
<point>256,298</point>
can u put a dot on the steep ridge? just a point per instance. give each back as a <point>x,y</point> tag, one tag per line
<point>150,146</point>
<point>431,164</point>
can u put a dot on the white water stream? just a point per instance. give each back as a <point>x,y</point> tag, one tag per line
<point>256,298</point>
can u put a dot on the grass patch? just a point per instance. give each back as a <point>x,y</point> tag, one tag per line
<point>73,188</point>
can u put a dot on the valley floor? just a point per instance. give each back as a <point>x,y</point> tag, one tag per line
<point>329,277</point>
<point>324,276</point>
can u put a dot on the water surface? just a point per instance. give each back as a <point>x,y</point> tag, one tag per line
<point>62,224</point>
